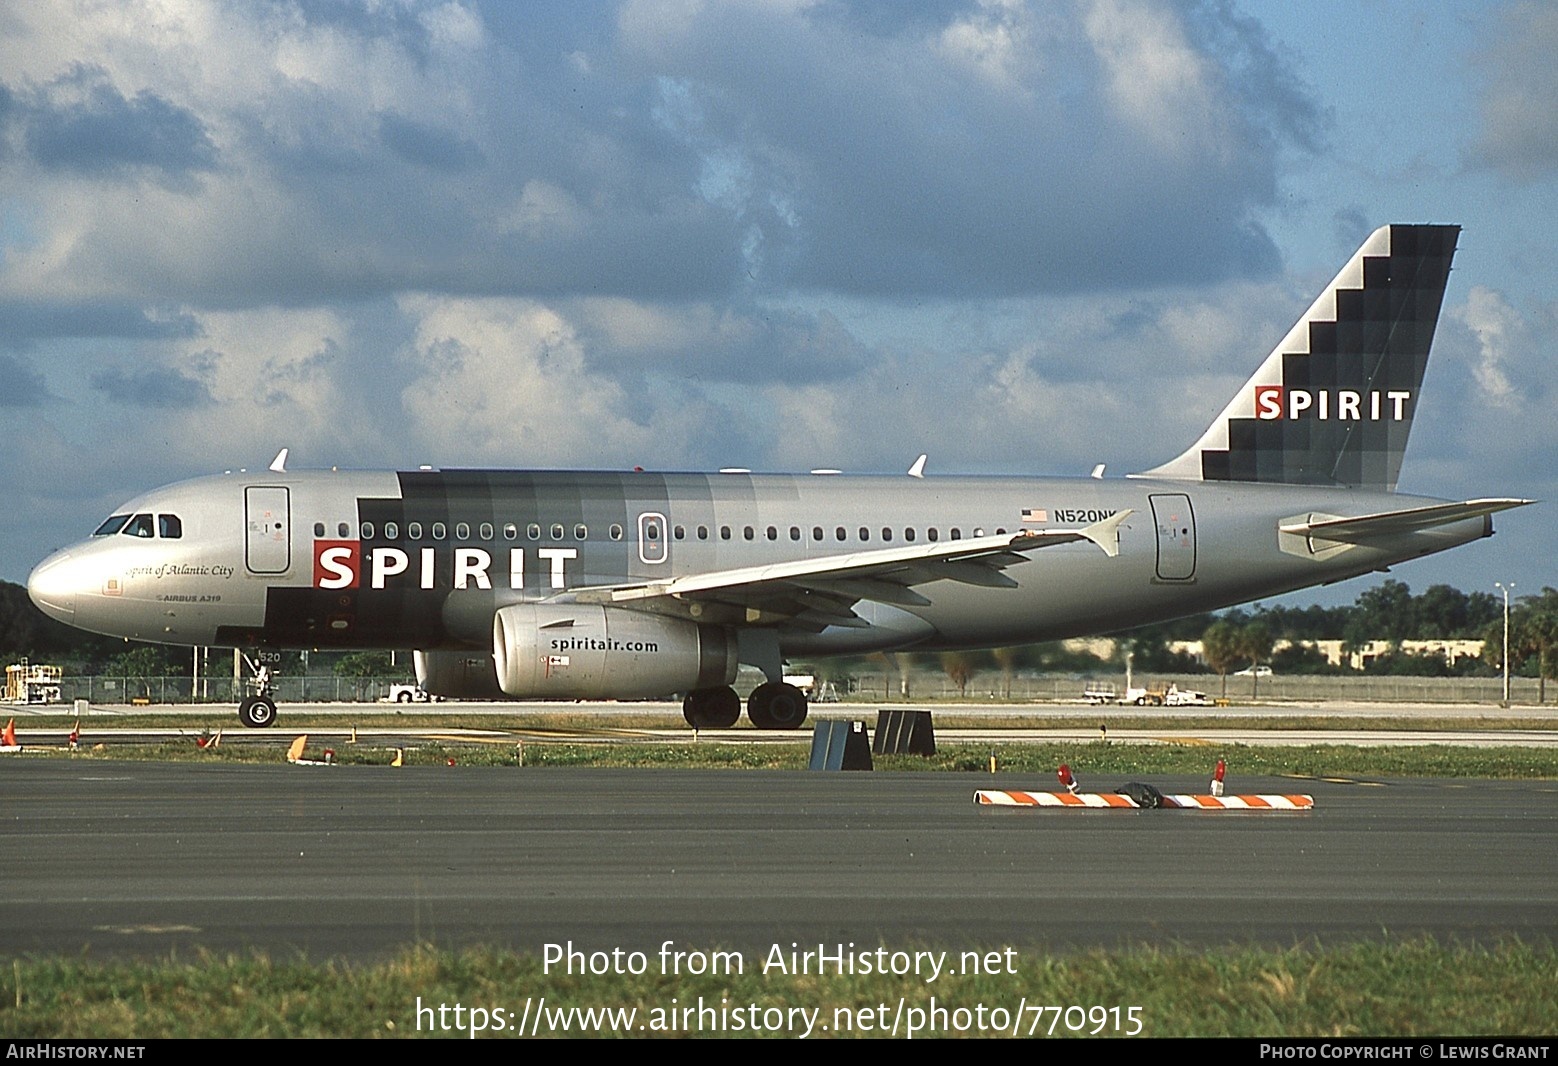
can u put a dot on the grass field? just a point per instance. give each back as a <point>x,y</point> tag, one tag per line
<point>1411,988</point>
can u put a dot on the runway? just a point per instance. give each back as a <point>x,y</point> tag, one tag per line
<point>116,859</point>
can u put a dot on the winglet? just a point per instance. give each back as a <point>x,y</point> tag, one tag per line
<point>279,464</point>
<point>918,469</point>
<point>1106,533</point>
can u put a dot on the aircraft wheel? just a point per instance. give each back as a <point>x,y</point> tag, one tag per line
<point>776,705</point>
<point>712,708</point>
<point>257,712</point>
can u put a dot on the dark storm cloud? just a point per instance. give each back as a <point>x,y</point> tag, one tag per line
<point>906,170</point>
<point>21,385</point>
<point>722,344</point>
<point>427,145</point>
<point>22,324</point>
<point>159,387</point>
<point>82,124</point>
<point>742,150</point>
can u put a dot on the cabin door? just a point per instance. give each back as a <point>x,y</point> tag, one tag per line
<point>268,541</point>
<point>1176,526</point>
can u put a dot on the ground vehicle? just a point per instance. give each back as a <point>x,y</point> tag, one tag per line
<point>1253,671</point>
<point>1143,697</point>
<point>1185,697</point>
<point>409,694</point>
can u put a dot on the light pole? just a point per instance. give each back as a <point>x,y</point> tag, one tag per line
<point>1505,590</point>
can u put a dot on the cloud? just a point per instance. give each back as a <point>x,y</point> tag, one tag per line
<point>1519,97</point>
<point>1013,149</point>
<point>646,152</point>
<point>21,385</point>
<point>710,342</point>
<point>81,123</point>
<point>24,324</point>
<point>157,387</point>
<point>1494,323</point>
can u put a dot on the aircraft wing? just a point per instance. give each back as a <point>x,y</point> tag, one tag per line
<point>822,592</point>
<point>1364,528</point>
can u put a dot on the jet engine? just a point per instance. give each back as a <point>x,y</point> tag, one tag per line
<point>583,652</point>
<point>457,675</point>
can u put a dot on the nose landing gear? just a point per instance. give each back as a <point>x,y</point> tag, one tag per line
<point>258,709</point>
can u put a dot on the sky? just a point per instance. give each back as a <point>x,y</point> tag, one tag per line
<point>776,234</point>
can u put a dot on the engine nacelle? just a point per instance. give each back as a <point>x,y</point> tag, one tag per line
<point>458,675</point>
<point>582,652</point>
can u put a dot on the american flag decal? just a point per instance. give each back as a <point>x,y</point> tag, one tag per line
<point>1035,514</point>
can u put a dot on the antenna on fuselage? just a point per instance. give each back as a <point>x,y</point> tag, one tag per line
<point>918,469</point>
<point>279,464</point>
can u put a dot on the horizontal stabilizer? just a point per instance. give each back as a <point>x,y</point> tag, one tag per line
<point>1364,528</point>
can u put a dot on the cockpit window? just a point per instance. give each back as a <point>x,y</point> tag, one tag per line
<point>139,526</point>
<point>112,525</point>
<point>168,525</point>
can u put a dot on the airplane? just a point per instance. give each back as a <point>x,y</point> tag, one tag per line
<point>541,584</point>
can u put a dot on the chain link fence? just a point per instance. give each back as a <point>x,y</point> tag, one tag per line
<point>984,686</point>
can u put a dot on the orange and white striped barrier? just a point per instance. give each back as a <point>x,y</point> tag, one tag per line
<point>1004,798</point>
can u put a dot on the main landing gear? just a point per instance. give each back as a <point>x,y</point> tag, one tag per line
<point>777,705</point>
<point>711,708</point>
<point>774,705</point>
<point>257,710</point>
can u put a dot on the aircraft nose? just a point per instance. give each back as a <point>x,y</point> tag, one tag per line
<point>53,587</point>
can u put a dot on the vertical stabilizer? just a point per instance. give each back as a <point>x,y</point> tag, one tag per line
<point>1333,403</point>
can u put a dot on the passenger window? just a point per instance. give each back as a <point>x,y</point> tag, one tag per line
<point>533,531</point>
<point>908,534</point>
<point>414,530</point>
<point>979,532</point>
<point>679,532</point>
<point>367,531</point>
<point>391,531</point>
<point>816,532</point>
<point>865,534</point>
<point>343,530</point>
<point>616,532</point>
<point>510,531</point>
<point>111,525</point>
<point>462,531</point>
<point>747,532</point>
<point>795,533</point>
<point>581,532</point>
<point>724,532</point>
<point>439,530</point>
<point>839,533</point>
<point>557,531</point>
<point>486,531</point>
<point>887,534</point>
<point>773,534</point>
<point>957,534</point>
<point>932,533</point>
<point>319,529</point>
<point>168,525</point>
<point>139,526</point>
<point>703,532</point>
